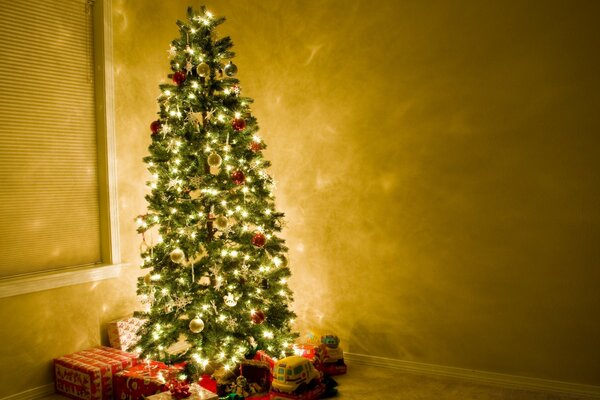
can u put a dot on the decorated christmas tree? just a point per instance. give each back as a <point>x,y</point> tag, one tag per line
<point>217,268</point>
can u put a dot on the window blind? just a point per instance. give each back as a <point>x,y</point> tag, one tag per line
<point>49,207</point>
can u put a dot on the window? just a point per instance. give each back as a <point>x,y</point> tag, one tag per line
<point>57,209</point>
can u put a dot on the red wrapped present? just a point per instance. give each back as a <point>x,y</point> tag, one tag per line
<point>197,393</point>
<point>208,383</point>
<point>311,351</point>
<point>144,379</point>
<point>262,356</point>
<point>122,333</point>
<point>87,375</point>
<point>258,376</point>
<point>335,368</point>
<point>311,394</point>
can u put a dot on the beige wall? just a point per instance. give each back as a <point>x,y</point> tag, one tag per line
<point>437,164</point>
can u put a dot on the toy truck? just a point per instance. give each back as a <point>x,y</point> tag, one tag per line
<point>296,378</point>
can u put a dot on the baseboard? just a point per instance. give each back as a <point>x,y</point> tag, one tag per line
<point>490,378</point>
<point>33,394</point>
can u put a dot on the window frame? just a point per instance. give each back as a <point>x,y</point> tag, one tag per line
<point>110,266</point>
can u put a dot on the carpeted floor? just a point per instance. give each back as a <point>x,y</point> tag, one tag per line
<point>365,382</point>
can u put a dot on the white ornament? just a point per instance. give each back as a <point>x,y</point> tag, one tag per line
<point>177,256</point>
<point>195,194</point>
<point>230,300</point>
<point>204,281</point>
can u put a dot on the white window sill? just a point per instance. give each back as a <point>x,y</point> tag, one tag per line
<point>29,283</point>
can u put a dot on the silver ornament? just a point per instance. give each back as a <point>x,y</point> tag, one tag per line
<point>230,69</point>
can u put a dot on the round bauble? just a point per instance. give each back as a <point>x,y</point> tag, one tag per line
<point>230,69</point>
<point>196,325</point>
<point>238,177</point>
<point>214,160</point>
<point>258,317</point>
<point>155,127</point>
<point>238,124</point>
<point>221,222</point>
<point>259,239</point>
<point>255,147</point>
<point>177,256</point>
<point>283,261</point>
<point>147,279</point>
<point>203,69</point>
<point>179,77</point>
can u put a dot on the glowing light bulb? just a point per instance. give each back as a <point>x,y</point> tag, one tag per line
<point>268,335</point>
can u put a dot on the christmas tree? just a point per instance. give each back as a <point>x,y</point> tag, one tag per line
<point>218,270</point>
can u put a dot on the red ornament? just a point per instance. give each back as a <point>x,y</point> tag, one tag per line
<point>259,240</point>
<point>155,127</point>
<point>238,177</point>
<point>258,317</point>
<point>238,124</point>
<point>179,77</point>
<point>256,147</point>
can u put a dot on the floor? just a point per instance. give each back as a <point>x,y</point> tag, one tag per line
<point>363,382</point>
<point>376,383</point>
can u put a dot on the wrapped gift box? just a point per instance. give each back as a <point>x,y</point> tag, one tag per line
<point>312,394</point>
<point>87,375</point>
<point>122,333</point>
<point>258,375</point>
<point>197,393</point>
<point>208,383</point>
<point>262,356</point>
<point>311,351</point>
<point>144,379</point>
<point>336,368</point>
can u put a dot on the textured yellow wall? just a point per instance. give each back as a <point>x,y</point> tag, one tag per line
<point>437,163</point>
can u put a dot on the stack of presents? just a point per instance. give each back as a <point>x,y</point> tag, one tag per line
<point>112,373</point>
